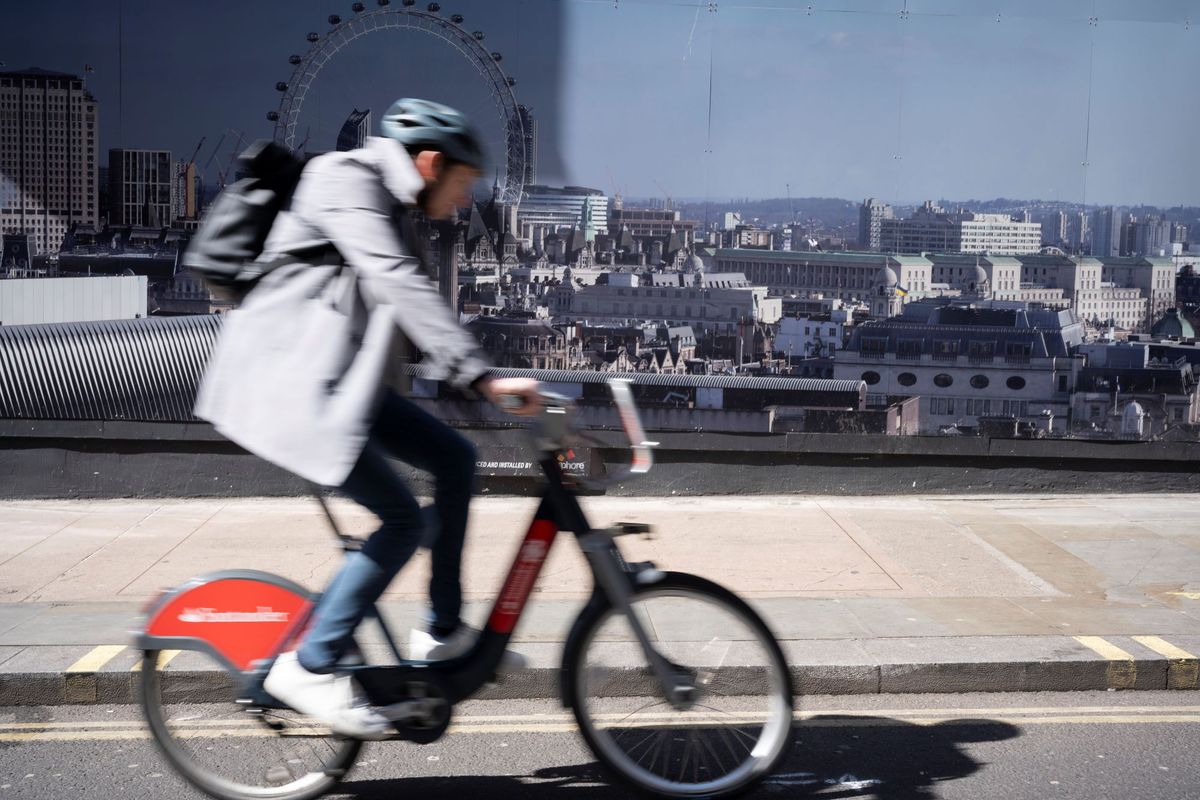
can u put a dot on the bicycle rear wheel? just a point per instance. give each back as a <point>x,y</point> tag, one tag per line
<point>737,727</point>
<point>224,749</point>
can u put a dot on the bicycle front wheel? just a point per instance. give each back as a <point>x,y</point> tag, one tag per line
<point>729,735</point>
<point>227,751</point>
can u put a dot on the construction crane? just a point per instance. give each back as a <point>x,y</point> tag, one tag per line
<point>238,146</point>
<point>664,193</point>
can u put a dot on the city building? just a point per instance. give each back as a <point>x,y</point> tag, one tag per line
<point>992,277</point>
<point>1127,391</point>
<point>1126,292</point>
<point>1106,232</point>
<point>526,343</point>
<point>186,194</point>
<point>48,170</point>
<point>968,363</point>
<point>1078,232</point>
<point>815,336</point>
<point>871,214</point>
<point>885,281</point>
<point>705,302</point>
<point>355,130</point>
<point>931,229</point>
<point>36,301</point>
<point>546,209</point>
<point>1054,229</point>
<point>1152,236</point>
<point>141,187</point>
<point>647,224</point>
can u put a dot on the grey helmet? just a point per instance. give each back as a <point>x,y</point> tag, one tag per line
<point>426,125</point>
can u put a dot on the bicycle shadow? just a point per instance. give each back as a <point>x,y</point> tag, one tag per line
<point>832,757</point>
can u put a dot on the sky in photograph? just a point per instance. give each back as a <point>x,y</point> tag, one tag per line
<point>903,100</point>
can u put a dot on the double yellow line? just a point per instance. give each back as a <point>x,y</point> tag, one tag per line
<point>113,730</point>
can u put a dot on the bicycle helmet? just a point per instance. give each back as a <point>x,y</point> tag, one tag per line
<point>426,125</point>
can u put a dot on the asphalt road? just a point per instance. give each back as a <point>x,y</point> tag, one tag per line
<point>1036,746</point>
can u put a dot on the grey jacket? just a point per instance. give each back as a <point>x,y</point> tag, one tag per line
<point>298,372</point>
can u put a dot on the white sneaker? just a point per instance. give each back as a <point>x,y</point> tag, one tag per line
<point>334,699</point>
<point>425,646</point>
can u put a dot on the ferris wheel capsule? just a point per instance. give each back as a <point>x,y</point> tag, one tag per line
<point>457,19</point>
<point>358,8</point>
<point>497,57</point>
<point>511,81</point>
<point>434,7</point>
<point>294,60</point>
<point>478,36</point>
<point>313,37</point>
<point>281,86</point>
<point>410,2</point>
<point>273,116</point>
<point>334,19</point>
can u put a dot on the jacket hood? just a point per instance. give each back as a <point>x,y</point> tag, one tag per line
<point>396,166</point>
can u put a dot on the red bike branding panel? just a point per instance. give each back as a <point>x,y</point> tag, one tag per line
<point>522,576</point>
<point>243,620</point>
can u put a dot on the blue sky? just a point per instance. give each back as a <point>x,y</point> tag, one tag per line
<point>974,107</point>
<point>961,99</point>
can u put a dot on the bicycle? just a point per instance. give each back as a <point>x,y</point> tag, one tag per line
<point>705,712</point>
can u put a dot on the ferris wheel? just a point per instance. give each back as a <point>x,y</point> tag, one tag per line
<point>406,16</point>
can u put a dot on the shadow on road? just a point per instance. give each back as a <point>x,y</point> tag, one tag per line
<point>832,757</point>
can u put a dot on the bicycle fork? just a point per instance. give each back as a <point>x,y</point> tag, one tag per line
<point>615,577</point>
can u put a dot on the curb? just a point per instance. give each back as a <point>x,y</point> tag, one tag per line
<point>121,687</point>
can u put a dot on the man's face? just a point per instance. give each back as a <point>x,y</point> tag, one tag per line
<point>449,191</point>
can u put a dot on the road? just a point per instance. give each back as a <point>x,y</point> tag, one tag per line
<point>1034,745</point>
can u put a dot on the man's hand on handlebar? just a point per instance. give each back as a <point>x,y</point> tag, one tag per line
<point>519,396</point>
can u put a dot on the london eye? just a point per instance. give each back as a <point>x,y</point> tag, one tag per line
<point>405,15</point>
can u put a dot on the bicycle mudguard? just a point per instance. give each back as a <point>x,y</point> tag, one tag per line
<point>239,616</point>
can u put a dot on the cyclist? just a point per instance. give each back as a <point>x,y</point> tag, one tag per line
<point>330,417</point>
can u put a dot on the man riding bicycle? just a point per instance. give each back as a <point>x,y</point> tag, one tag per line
<point>346,242</point>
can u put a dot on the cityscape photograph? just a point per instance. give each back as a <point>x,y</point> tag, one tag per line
<point>880,313</point>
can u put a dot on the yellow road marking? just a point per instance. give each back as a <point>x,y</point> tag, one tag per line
<point>1184,668</point>
<point>568,719</point>
<point>164,658</point>
<point>1163,647</point>
<point>97,658</point>
<point>1122,671</point>
<point>1188,595</point>
<point>846,722</point>
<point>1104,647</point>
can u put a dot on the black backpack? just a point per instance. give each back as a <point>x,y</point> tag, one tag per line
<point>225,249</point>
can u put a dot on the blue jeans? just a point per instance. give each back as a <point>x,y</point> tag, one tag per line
<point>406,432</point>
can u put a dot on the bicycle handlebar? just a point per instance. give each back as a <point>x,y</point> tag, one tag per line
<point>553,424</point>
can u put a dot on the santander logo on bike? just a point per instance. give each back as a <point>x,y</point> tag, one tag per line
<point>260,614</point>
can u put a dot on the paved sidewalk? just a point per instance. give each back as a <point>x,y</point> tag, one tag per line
<point>875,594</point>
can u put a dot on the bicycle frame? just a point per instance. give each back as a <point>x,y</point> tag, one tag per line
<point>451,680</point>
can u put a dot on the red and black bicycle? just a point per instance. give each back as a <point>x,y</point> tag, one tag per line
<point>678,686</point>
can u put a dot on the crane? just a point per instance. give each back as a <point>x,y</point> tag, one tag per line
<point>222,174</point>
<point>664,193</point>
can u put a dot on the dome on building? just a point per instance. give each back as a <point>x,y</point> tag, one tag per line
<point>979,275</point>
<point>693,263</point>
<point>886,277</point>
<point>1173,324</point>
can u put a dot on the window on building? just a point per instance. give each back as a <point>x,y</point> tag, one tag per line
<point>870,377</point>
<point>1016,383</point>
<point>942,380</point>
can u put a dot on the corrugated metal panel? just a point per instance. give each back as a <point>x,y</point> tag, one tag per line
<point>144,369</point>
<point>149,369</point>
